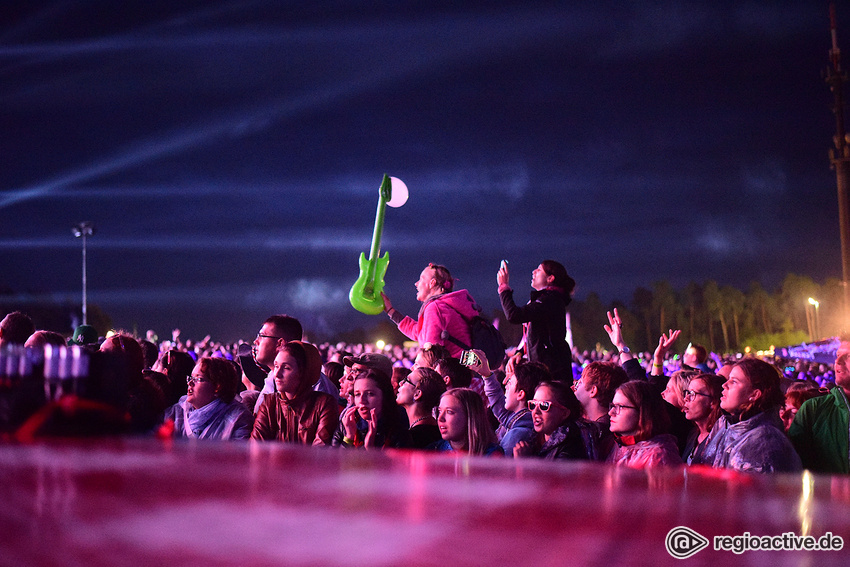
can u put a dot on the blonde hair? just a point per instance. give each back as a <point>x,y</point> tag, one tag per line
<point>478,431</point>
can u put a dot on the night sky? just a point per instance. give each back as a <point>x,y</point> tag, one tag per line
<point>229,153</point>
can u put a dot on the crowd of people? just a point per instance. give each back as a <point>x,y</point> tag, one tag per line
<point>540,399</point>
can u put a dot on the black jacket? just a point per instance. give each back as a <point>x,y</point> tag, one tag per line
<point>546,341</point>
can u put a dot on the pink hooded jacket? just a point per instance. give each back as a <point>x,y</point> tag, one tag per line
<point>442,313</point>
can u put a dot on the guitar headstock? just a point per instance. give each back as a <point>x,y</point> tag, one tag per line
<point>386,190</point>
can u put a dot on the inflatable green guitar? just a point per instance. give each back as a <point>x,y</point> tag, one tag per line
<point>365,294</point>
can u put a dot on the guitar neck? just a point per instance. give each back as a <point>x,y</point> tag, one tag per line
<point>383,197</point>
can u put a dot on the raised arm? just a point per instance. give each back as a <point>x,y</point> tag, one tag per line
<point>614,328</point>
<point>665,341</point>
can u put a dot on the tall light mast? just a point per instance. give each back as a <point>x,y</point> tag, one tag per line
<point>83,230</point>
<point>839,158</point>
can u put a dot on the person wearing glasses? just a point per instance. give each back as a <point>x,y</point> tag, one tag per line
<point>595,391</point>
<point>209,409</point>
<point>640,424</point>
<point>464,427</point>
<point>561,431</point>
<point>276,331</point>
<point>295,413</point>
<point>673,393</point>
<point>680,427</point>
<point>702,407</point>
<point>819,428</point>
<point>751,437</point>
<point>419,393</point>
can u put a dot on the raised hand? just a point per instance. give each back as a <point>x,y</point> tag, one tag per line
<point>614,328</point>
<point>503,276</point>
<point>665,341</point>
<point>510,367</point>
<point>481,366</point>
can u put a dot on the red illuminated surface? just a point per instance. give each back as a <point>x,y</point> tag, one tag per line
<point>142,502</point>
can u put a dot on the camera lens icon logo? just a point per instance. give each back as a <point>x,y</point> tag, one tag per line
<point>683,542</point>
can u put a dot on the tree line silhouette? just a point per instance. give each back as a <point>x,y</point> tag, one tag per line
<point>723,318</point>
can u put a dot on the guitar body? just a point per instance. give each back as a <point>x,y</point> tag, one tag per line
<point>365,294</point>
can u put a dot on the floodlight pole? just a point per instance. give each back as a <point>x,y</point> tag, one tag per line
<point>839,158</point>
<point>83,230</point>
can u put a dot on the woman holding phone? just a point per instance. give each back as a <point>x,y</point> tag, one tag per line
<point>544,317</point>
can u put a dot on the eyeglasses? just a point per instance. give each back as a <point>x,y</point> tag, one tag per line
<point>262,336</point>
<point>544,405</point>
<point>615,409</point>
<point>407,380</point>
<point>787,412</point>
<point>575,384</point>
<point>194,379</point>
<point>689,394</point>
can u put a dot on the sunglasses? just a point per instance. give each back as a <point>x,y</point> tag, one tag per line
<point>544,405</point>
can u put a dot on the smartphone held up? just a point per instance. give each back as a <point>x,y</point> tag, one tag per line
<point>469,358</point>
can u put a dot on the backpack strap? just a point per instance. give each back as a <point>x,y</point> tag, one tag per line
<point>516,417</point>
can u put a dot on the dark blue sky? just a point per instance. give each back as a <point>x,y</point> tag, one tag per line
<point>229,153</point>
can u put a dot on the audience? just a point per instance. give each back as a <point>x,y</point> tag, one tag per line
<point>510,407</point>
<point>419,393</point>
<point>444,312</point>
<point>561,431</point>
<point>641,424</point>
<point>750,437</point>
<point>38,339</point>
<point>702,407</point>
<point>794,399</point>
<point>209,409</point>
<point>544,315</point>
<point>388,398</point>
<point>595,391</point>
<point>819,430</point>
<point>374,420</point>
<point>295,412</point>
<point>463,425</point>
<point>15,329</point>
